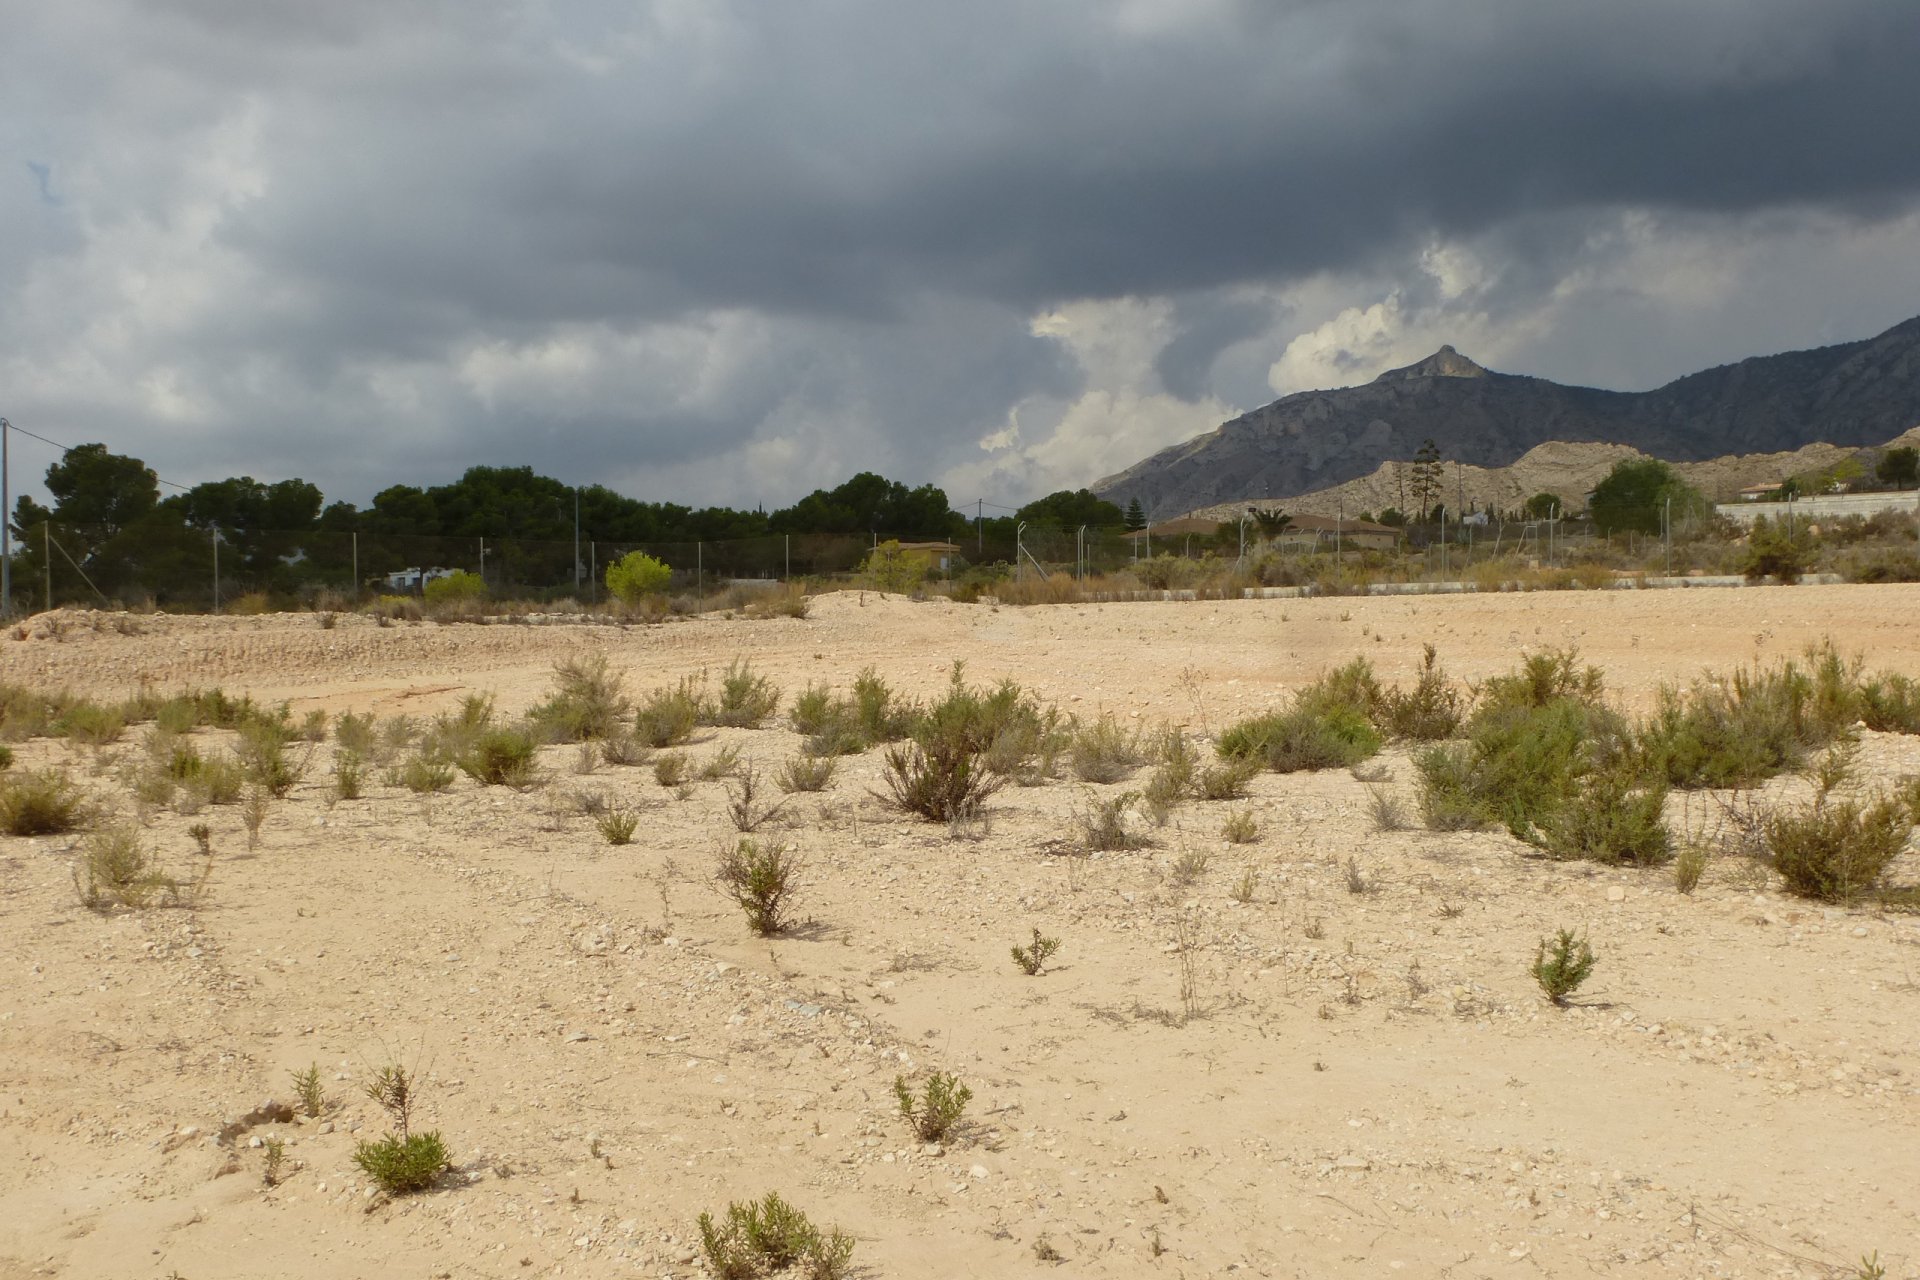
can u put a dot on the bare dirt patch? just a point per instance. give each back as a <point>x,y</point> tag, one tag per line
<point>1244,1066</point>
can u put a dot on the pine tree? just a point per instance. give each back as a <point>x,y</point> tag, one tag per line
<point>1136,516</point>
<point>1425,478</point>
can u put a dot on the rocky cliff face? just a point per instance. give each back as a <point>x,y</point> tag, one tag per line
<point>1857,393</point>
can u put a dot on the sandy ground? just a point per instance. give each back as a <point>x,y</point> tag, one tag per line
<point>1371,1084</point>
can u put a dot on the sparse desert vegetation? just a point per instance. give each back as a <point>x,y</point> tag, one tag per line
<point>1394,930</point>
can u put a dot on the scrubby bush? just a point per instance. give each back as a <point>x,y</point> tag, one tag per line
<point>1303,738</point>
<point>806,773</point>
<point>636,576</point>
<point>1561,965</point>
<point>1033,957</point>
<point>769,1236</point>
<point>1103,823</point>
<point>267,757</point>
<point>936,1113</point>
<point>668,716</point>
<point>1228,780</point>
<point>746,699</point>
<point>1241,827</point>
<point>1430,711</point>
<point>1614,817</point>
<point>587,702</point>
<point>116,870</point>
<point>760,879</point>
<point>891,567</point>
<point>1105,751</point>
<point>1836,848</point>
<point>1538,739</point>
<point>500,758</point>
<point>1890,704</point>
<point>1743,728</point>
<point>964,748</point>
<point>42,802</point>
<point>458,592</point>
<point>1330,725</point>
<point>1772,552</point>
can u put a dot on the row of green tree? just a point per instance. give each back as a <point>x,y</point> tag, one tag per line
<point>110,534</point>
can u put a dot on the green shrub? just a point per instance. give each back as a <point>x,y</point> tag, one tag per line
<point>115,870</point>
<point>1103,823</point>
<point>1033,957</point>
<point>668,716</point>
<point>746,699</point>
<point>806,773</point>
<point>6,757</point>
<point>587,701</point>
<point>424,773</point>
<point>1228,780</point>
<point>890,567</point>
<point>1836,849</point>
<point>91,724</point>
<point>769,1236</point>
<point>761,880</point>
<point>1544,678</point>
<point>500,758</point>
<point>356,732</point>
<point>637,575</point>
<point>813,709</point>
<point>1743,728</point>
<point>617,824</point>
<point>1307,737</point>
<point>879,713</point>
<point>42,802</point>
<point>962,751</point>
<point>1428,712</point>
<point>1772,552</point>
<point>348,775</point>
<point>1890,704</point>
<point>1613,817</point>
<point>459,591</point>
<point>266,759</point>
<point>1240,827</point>
<point>1561,965</point>
<point>1105,751</point>
<point>403,1165</point>
<point>938,1110</point>
<point>1519,766</point>
<point>672,768</point>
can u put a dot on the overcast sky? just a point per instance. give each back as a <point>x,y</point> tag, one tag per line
<point>709,251</point>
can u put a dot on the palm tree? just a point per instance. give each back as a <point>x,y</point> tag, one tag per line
<point>1272,521</point>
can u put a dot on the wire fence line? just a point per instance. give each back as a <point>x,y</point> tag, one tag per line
<point>187,569</point>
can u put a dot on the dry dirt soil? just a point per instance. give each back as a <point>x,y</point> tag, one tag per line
<point>1355,1084</point>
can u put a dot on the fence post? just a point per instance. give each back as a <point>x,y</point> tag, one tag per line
<point>593,568</point>
<point>46,554</point>
<point>699,573</point>
<point>789,541</point>
<point>216,568</point>
<point>355,535</point>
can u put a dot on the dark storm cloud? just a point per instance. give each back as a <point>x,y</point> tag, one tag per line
<point>359,196</point>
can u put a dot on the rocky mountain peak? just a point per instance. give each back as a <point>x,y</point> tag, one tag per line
<point>1444,363</point>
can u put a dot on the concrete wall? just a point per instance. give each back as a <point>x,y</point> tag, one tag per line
<point>1824,506</point>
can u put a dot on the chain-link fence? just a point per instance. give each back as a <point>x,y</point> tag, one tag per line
<point>181,568</point>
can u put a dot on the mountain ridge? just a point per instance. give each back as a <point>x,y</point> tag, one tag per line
<point>1856,393</point>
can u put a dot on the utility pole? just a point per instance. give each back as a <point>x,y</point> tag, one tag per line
<point>216,568</point>
<point>1666,532</point>
<point>355,535</point>
<point>6,523</point>
<point>576,542</point>
<point>979,529</point>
